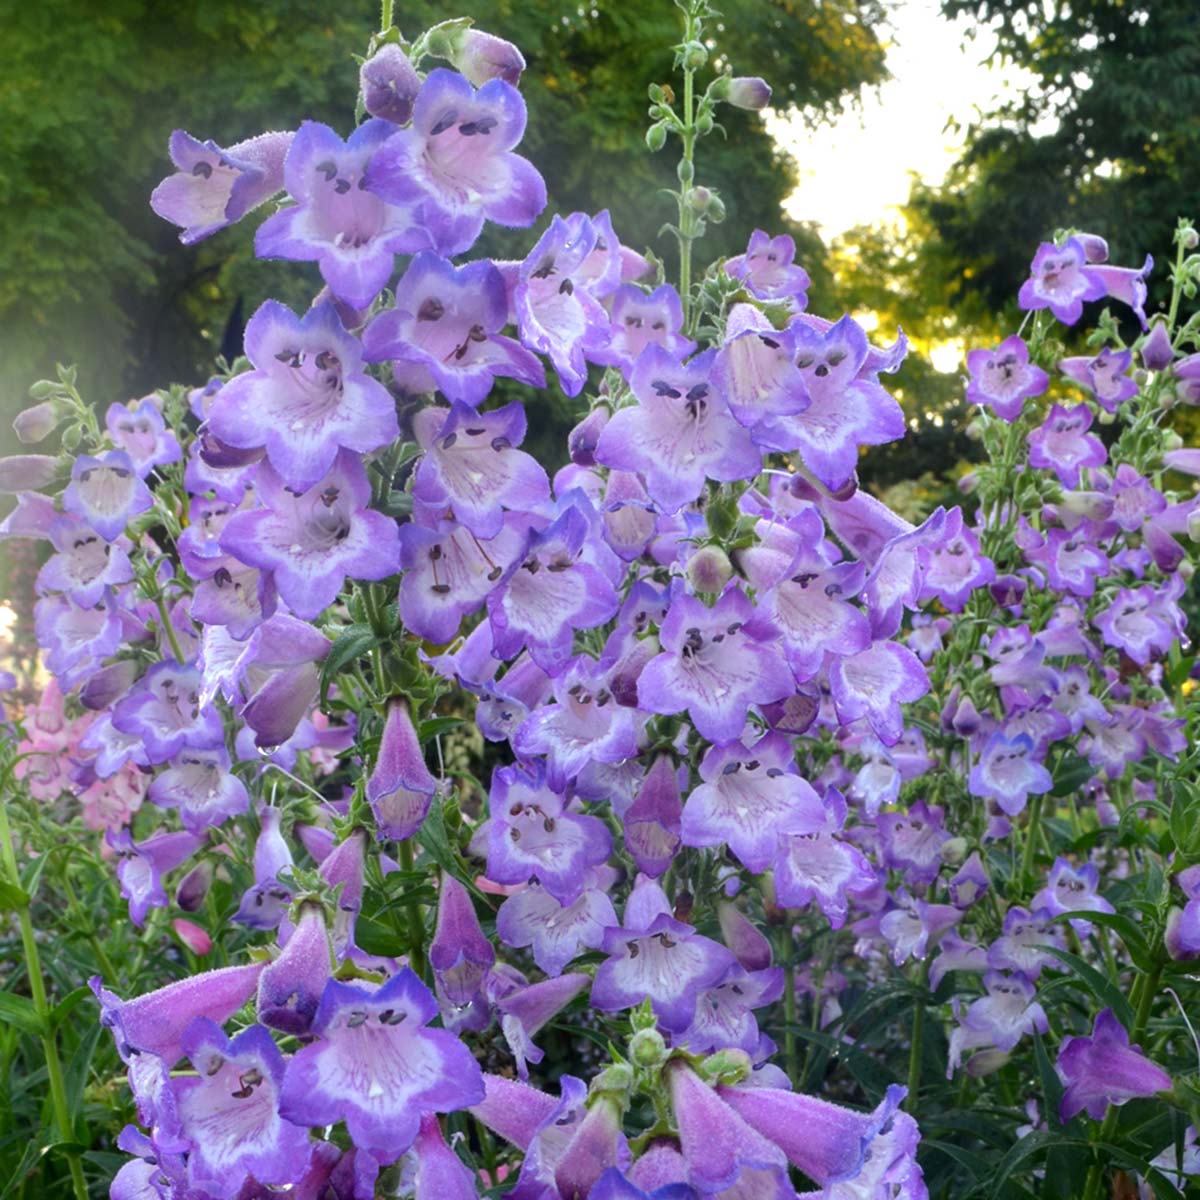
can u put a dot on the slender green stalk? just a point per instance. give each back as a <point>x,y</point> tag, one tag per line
<point>917,1049</point>
<point>790,1056</point>
<point>385,15</point>
<point>37,990</point>
<point>687,172</point>
<point>1032,833</point>
<point>164,618</point>
<point>416,927</point>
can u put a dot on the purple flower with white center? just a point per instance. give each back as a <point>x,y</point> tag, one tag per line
<point>898,569</point>
<point>106,492</point>
<point>725,1012</point>
<point>154,1023</point>
<point>679,434</point>
<point>237,600</point>
<point>821,867</point>
<point>265,902</point>
<point>552,593</point>
<point>290,989</point>
<point>1112,744</point>
<point>769,271</point>
<point>874,683</point>
<point>652,821</point>
<point>212,187</point>
<point>912,927</point>
<point>1135,499</point>
<point>229,1111</point>
<point>455,161</point>
<point>1105,1069</point>
<point>1022,942</point>
<point>312,540</point>
<point>377,1067</point>
<point>1074,699</point>
<point>656,957</point>
<point>968,883</point>
<point>1003,379</point>
<point>1009,772</point>
<point>1134,623</point>
<point>138,428</point>
<point>1061,281</point>
<point>165,709</point>
<point>471,464</point>
<point>199,784</point>
<point>461,958</point>
<point>350,232</point>
<point>755,371</point>
<point>955,569</point>
<point>85,564</point>
<point>1105,376</point>
<point>1070,890</point>
<point>749,796</point>
<point>1127,284</point>
<point>524,1011</point>
<point>1062,444</point>
<point>638,319</point>
<point>585,725</point>
<point>956,954</point>
<point>75,640</point>
<point>811,608</point>
<point>608,263</point>
<point>444,332</point>
<point>307,398</point>
<point>848,406</point>
<point>1002,1018</point>
<point>911,841</point>
<point>141,866</point>
<point>715,663</point>
<point>400,787</point>
<point>558,932</point>
<point>1071,560</point>
<point>530,835</point>
<point>878,780</point>
<point>448,573</point>
<point>557,314</point>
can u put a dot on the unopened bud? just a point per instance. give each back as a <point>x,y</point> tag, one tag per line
<point>728,1066</point>
<point>656,137</point>
<point>390,84</point>
<point>35,424</point>
<point>1185,570</point>
<point>953,851</point>
<point>193,887</point>
<point>742,91</point>
<point>1171,440</point>
<point>1157,352</point>
<point>482,56</point>
<point>617,1079</point>
<point>648,1049</point>
<point>704,125</point>
<point>1193,525</point>
<point>1190,238</point>
<point>27,472</point>
<point>694,56</point>
<point>1107,418</point>
<point>686,172</point>
<point>974,430</point>
<point>192,936</point>
<point>582,440</point>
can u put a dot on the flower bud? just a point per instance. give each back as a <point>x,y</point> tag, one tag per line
<point>968,483</point>
<point>192,936</point>
<point>1190,238</point>
<point>686,172</point>
<point>656,137</point>
<point>1156,349</point>
<point>482,56</point>
<point>647,1049</point>
<point>966,721</point>
<point>1171,441</point>
<point>1193,526</point>
<point>695,55</point>
<point>581,441</point>
<point>35,424</point>
<point>1107,418</point>
<point>974,430</point>
<point>986,1062</point>
<point>389,84</point>
<point>617,1078</point>
<point>704,124</point>
<point>1182,936</point>
<point>1186,570</point>
<point>742,91</point>
<point>953,851</point>
<point>728,1066</point>
<point>193,887</point>
<point>27,472</point>
<point>709,570</point>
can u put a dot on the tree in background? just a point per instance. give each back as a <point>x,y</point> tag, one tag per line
<point>92,92</point>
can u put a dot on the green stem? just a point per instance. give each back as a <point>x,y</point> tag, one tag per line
<point>789,1006</point>
<point>416,927</point>
<point>385,15</point>
<point>83,917</point>
<point>1032,832</point>
<point>37,989</point>
<point>686,236</point>
<point>168,628</point>
<point>917,1050</point>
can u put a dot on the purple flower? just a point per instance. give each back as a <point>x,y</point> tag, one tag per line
<point>1009,772</point>
<point>679,433</point>
<point>531,835</point>
<point>105,491</point>
<point>1135,623</point>
<point>311,541</point>
<point>639,319</point>
<point>968,883</point>
<point>1105,1069</point>
<point>389,84</point>
<point>307,398</point>
<point>1002,1018</point>
<point>290,989</point>
<point>461,958</point>
<point>141,866</point>
<point>376,1066</point>
<point>165,709</point>
<point>874,683</point>
<point>349,231</point>
<point>715,663</point>
<point>456,163</point>
<point>656,957</point>
<point>821,866</point>
<point>1060,281</point>
<point>444,332</point>
<point>849,408</point>
<point>1105,376</point>
<point>652,821</point>
<point>200,785</point>
<point>1004,378</point>
<point>558,932</point>
<point>911,926</point>
<point>85,564</point>
<point>1021,945</point>
<point>767,267</point>
<point>724,1013</point>
<point>400,787</point>
<point>212,187</point>
<point>139,429</point>
<point>557,313</point>
<point>1070,559</point>
<point>154,1023</point>
<point>526,1010</point>
<point>751,795</point>
<point>482,56</point>
<point>229,1111</point>
<point>1127,284</point>
<point>955,569</point>
<point>755,371</point>
<point>912,841</point>
<point>1069,890</point>
<point>550,594</point>
<point>1062,444</point>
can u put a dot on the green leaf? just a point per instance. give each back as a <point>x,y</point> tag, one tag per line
<point>1123,926</point>
<point>1071,774</point>
<point>12,897</point>
<point>19,1011</point>
<point>1099,985</point>
<point>352,643</point>
<point>68,1004</point>
<point>436,726</point>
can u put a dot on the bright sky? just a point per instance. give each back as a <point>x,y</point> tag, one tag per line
<point>853,172</point>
